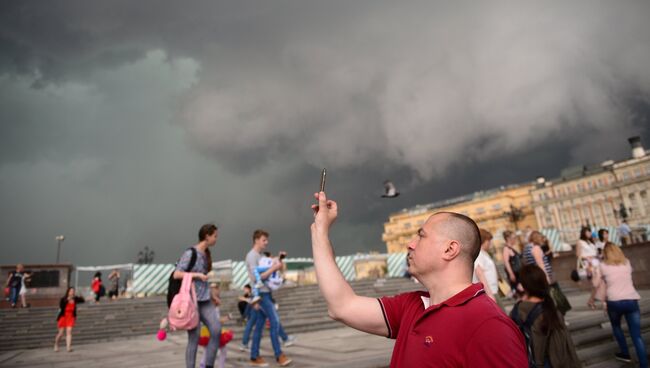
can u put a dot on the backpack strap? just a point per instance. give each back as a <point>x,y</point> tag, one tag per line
<point>192,260</point>
<point>533,314</point>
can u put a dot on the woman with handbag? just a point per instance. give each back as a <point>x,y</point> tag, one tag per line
<point>615,276</point>
<point>207,314</point>
<point>534,254</point>
<point>586,252</point>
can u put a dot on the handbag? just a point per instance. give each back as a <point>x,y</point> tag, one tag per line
<point>580,272</point>
<point>183,312</point>
<point>561,302</point>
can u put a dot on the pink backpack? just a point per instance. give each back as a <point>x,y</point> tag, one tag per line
<point>183,312</point>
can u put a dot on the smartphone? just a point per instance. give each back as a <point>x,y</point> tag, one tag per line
<point>323,174</point>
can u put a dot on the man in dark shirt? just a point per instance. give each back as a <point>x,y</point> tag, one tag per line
<point>453,324</point>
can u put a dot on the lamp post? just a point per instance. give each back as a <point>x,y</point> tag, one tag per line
<point>515,215</point>
<point>59,240</point>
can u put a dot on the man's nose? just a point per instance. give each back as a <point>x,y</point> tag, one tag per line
<point>412,243</point>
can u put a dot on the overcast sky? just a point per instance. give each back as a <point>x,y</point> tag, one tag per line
<point>126,124</point>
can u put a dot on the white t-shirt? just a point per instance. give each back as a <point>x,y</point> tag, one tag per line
<point>587,249</point>
<point>489,271</point>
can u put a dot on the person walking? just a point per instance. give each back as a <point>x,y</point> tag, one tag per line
<point>549,342</point>
<point>208,234</point>
<point>66,318</point>
<point>512,260</point>
<point>15,283</point>
<point>587,252</point>
<point>485,271</point>
<point>533,254</point>
<point>622,300</point>
<point>114,278</point>
<point>97,286</point>
<point>265,309</point>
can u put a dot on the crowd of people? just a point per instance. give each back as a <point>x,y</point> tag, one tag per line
<point>463,304</point>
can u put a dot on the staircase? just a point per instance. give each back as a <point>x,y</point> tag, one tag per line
<point>302,309</point>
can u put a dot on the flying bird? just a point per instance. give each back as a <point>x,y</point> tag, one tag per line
<point>390,190</point>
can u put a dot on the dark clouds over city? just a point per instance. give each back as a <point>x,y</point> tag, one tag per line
<point>129,124</point>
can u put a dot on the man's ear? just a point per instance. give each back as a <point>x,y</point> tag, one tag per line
<point>452,250</point>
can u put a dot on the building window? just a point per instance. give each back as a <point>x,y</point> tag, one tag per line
<point>601,182</point>
<point>480,211</point>
<point>496,206</point>
<point>637,172</point>
<point>407,225</point>
<point>590,185</point>
<point>626,175</point>
<point>581,187</point>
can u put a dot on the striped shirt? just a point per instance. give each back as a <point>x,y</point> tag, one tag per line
<point>529,259</point>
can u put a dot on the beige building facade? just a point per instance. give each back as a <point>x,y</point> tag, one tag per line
<point>599,195</point>
<point>492,210</point>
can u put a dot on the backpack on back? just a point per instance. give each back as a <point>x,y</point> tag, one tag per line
<point>526,329</point>
<point>175,284</point>
<point>183,312</point>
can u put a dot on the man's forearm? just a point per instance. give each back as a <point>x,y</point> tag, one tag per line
<point>332,284</point>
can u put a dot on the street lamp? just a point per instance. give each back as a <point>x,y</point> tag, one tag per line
<point>59,240</point>
<point>515,215</point>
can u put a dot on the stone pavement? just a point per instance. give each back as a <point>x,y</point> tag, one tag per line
<point>330,348</point>
<point>334,348</point>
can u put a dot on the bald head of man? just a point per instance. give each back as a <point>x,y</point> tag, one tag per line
<point>463,229</point>
<point>446,239</point>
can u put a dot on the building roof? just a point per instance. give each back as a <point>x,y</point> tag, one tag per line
<point>482,194</point>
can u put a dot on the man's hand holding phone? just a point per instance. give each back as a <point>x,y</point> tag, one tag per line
<point>325,213</point>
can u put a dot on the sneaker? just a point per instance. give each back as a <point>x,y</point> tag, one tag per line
<point>259,362</point>
<point>283,361</point>
<point>290,341</point>
<point>256,299</point>
<point>258,285</point>
<point>243,347</point>
<point>623,357</point>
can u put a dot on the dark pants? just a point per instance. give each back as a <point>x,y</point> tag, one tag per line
<point>630,310</point>
<point>13,295</point>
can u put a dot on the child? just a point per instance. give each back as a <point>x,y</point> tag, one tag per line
<point>97,287</point>
<point>274,281</point>
<point>243,301</point>
<point>215,296</point>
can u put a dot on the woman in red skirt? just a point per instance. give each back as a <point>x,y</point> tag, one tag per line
<point>66,318</point>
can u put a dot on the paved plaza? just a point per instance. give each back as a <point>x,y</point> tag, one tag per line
<point>331,348</point>
<point>342,347</point>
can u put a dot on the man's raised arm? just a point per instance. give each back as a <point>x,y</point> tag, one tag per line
<point>361,313</point>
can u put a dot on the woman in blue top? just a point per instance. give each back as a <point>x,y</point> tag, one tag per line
<point>207,314</point>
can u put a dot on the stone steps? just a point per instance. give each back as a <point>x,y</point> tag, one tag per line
<point>302,309</point>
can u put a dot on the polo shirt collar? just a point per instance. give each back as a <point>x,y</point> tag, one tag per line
<point>462,297</point>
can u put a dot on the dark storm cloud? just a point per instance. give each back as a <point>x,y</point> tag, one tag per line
<point>104,107</point>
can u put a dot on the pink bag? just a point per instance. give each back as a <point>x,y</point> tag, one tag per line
<point>183,312</point>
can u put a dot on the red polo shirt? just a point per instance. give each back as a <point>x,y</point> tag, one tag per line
<point>466,330</point>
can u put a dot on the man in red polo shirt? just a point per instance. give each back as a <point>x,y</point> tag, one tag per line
<point>454,324</point>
